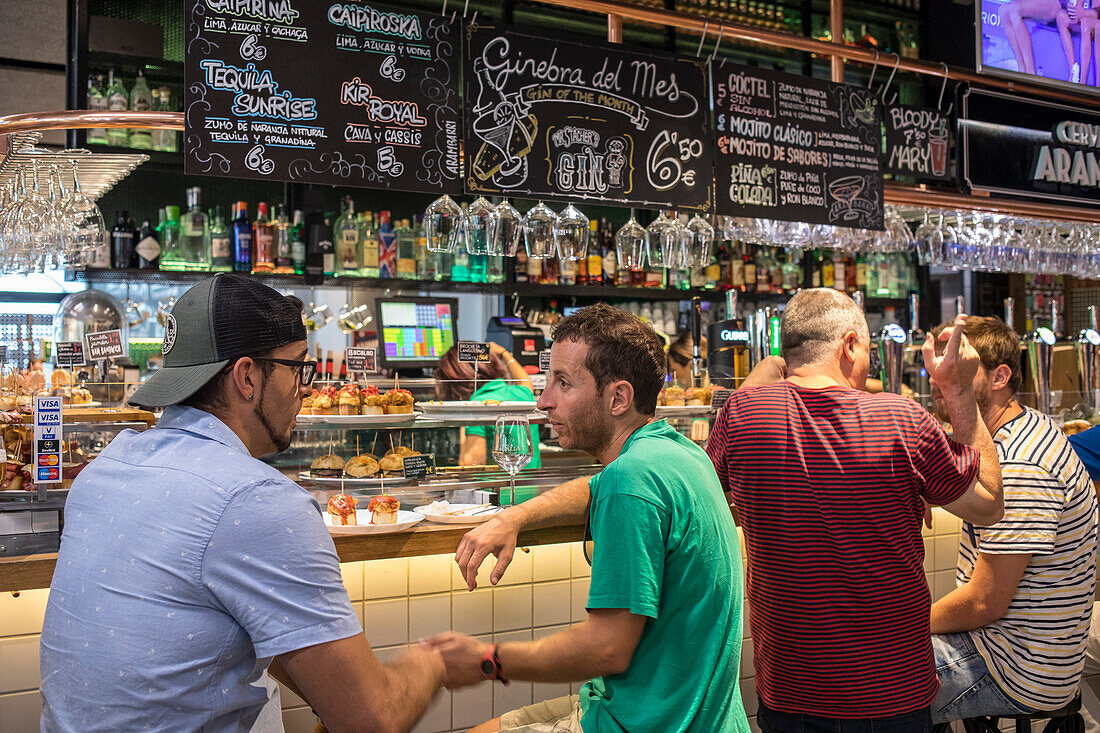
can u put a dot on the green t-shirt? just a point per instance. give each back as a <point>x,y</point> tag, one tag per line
<point>498,389</point>
<point>665,546</point>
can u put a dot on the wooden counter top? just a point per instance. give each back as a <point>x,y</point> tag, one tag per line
<point>35,571</point>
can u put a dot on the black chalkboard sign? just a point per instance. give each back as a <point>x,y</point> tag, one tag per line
<point>69,353</point>
<point>916,140</point>
<point>584,121</point>
<point>105,344</point>
<point>794,148</point>
<point>360,359</point>
<point>544,360</point>
<point>353,94</point>
<point>419,466</point>
<point>473,351</point>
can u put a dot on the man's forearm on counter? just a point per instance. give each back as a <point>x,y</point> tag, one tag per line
<point>565,504</point>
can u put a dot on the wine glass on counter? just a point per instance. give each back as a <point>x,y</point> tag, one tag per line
<point>512,447</point>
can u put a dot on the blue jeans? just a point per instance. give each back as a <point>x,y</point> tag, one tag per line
<point>967,689</point>
<point>773,721</point>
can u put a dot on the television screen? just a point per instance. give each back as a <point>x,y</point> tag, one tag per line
<point>1041,41</point>
<point>415,331</point>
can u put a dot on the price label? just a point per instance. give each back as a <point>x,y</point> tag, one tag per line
<point>419,466</point>
<point>360,360</point>
<point>104,345</point>
<point>473,352</point>
<point>544,360</point>
<point>69,353</point>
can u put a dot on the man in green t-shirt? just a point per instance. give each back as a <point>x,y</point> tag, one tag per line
<point>661,644</point>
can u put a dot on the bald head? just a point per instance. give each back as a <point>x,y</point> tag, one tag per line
<point>814,325</point>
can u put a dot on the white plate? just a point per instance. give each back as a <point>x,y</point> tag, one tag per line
<point>477,407</point>
<point>458,518</point>
<point>356,483</point>
<point>683,410</point>
<point>405,520</point>
<point>357,419</point>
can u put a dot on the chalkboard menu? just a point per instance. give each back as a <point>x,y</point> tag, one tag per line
<point>794,148</point>
<point>555,119</point>
<point>353,94</point>
<point>916,142</point>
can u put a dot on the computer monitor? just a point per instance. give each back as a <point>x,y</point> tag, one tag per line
<point>415,332</point>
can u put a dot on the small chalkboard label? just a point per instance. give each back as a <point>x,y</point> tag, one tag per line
<point>360,359</point>
<point>419,466</point>
<point>544,360</point>
<point>69,353</point>
<point>104,344</point>
<point>473,351</point>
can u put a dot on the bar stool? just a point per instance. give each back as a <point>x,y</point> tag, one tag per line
<point>1066,719</point>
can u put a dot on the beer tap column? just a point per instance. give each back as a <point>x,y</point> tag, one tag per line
<point>1087,348</point>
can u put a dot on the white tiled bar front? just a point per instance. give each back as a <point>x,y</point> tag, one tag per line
<point>403,600</point>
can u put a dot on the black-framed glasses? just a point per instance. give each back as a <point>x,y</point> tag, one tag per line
<point>307,370</point>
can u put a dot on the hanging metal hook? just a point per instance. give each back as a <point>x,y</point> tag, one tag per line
<point>886,88</point>
<point>721,35</point>
<point>702,38</point>
<point>443,12</point>
<point>871,81</point>
<point>465,7</point>
<point>939,104</point>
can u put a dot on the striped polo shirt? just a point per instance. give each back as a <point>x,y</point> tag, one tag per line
<point>1036,651</point>
<point>828,486</point>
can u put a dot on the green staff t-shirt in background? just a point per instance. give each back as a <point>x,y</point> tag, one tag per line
<point>665,547</point>
<point>498,389</point>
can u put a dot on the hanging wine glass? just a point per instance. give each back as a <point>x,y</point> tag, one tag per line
<point>630,245</point>
<point>659,236</point>
<point>571,234</point>
<point>83,220</point>
<point>477,227</point>
<point>505,229</point>
<point>538,231</point>
<point>677,248</point>
<point>442,222</point>
<point>702,240</point>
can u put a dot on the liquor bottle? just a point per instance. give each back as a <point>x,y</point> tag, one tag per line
<point>406,251</point>
<point>263,241</point>
<point>97,102</point>
<point>320,251</point>
<point>193,233</point>
<point>344,371</point>
<point>118,100</point>
<point>861,273</point>
<point>460,258</point>
<point>171,246</point>
<point>735,279</point>
<point>840,272</point>
<point>242,239</point>
<point>494,268</point>
<point>850,274</point>
<point>284,263</point>
<point>425,263</point>
<point>442,263</point>
<point>551,271</point>
<point>778,274</point>
<point>368,246</point>
<point>122,243</point>
<point>147,249</point>
<point>568,269</point>
<point>656,277</point>
<point>609,258</point>
<point>748,267</point>
<point>519,266</point>
<point>298,243</point>
<point>163,140</point>
<point>328,366</point>
<point>534,268</point>
<point>221,243</point>
<point>387,246</point>
<point>595,255</point>
<point>871,282</point>
<point>763,270</point>
<point>141,100</point>
<point>346,231</point>
<point>712,273</point>
<point>582,266</point>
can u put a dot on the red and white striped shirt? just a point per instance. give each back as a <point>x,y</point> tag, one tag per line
<point>828,485</point>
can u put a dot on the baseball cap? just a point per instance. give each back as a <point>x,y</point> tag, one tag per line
<point>214,322</point>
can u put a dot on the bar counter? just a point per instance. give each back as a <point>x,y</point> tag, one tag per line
<point>28,572</point>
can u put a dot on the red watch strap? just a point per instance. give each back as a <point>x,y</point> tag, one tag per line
<point>492,660</point>
<point>496,661</point>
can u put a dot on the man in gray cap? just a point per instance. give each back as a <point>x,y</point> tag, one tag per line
<point>188,567</point>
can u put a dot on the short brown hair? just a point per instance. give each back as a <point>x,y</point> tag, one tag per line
<point>995,343</point>
<point>815,321</point>
<point>620,347</point>
<point>454,379</point>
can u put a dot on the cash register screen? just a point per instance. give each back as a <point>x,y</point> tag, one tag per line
<point>415,331</point>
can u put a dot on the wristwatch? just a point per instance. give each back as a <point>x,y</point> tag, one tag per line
<point>490,665</point>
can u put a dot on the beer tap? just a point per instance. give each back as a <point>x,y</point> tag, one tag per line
<point>758,336</point>
<point>1010,313</point>
<point>1039,345</point>
<point>914,359</point>
<point>697,369</point>
<point>1087,348</point>
<point>892,343</point>
<point>858,297</point>
<point>960,305</point>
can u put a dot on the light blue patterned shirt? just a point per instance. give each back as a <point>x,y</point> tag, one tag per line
<point>185,566</point>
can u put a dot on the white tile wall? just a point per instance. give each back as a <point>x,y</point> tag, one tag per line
<point>403,600</point>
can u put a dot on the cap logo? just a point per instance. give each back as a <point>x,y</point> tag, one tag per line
<point>169,334</point>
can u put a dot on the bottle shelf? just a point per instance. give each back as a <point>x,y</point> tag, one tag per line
<point>596,292</point>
